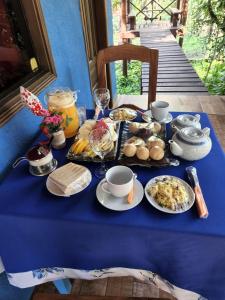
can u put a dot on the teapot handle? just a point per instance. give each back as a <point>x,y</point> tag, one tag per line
<point>206,131</point>
<point>17,162</point>
<point>198,117</point>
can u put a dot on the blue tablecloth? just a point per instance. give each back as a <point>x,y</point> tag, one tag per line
<point>38,229</point>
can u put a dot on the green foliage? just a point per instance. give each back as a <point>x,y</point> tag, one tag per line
<point>205,41</point>
<point>132,83</point>
<point>116,4</point>
<point>194,46</point>
<point>216,78</point>
<point>210,12</point>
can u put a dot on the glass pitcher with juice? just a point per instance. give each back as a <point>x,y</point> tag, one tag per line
<point>63,101</point>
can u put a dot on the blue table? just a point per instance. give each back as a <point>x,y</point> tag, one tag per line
<point>41,230</point>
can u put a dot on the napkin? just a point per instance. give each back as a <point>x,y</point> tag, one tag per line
<point>69,178</point>
<point>32,102</point>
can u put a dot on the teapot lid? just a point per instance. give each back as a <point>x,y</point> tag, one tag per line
<point>37,152</point>
<point>192,134</point>
<point>187,120</point>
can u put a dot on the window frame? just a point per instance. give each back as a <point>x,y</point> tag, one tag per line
<point>94,21</point>
<point>11,104</point>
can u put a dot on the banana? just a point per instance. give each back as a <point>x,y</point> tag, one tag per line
<point>83,144</point>
<point>79,146</point>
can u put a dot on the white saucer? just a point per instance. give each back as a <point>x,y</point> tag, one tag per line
<point>53,188</point>
<point>119,204</point>
<point>147,117</point>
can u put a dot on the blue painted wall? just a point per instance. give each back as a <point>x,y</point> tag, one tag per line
<point>64,26</point>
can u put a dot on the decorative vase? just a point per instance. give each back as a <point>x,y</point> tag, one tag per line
<point>59,140</point>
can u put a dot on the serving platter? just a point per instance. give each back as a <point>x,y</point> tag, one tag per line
<point>109,156</point>
<point>167,160</point>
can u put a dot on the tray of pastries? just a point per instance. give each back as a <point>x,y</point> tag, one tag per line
<point>144,144</point>
<point>81,149</point>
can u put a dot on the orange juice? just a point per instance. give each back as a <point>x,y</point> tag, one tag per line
<point>63,101</point>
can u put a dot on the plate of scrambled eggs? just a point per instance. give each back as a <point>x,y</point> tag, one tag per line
<point>169,194</point>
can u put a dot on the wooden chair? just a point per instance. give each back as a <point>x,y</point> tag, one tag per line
<point>43,296</point>
<point>129,52</point>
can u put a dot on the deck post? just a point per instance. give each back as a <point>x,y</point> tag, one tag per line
<point>184,12</point>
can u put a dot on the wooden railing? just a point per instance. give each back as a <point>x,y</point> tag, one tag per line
<point>153,9</point>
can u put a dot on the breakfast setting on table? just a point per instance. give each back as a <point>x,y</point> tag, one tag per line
<point>121,187</point>
<point>125,137</point>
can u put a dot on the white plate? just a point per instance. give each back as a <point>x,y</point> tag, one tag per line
<point>191,195</point>
<point>53,188</point>
<point>147,117</point>
<point>119,204</point>
<point>132,114</point>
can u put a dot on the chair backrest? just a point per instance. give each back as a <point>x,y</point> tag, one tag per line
<point>129,52</point>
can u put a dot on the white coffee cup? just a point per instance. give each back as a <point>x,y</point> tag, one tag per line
<point>160,110</point>
<point>118,181</point>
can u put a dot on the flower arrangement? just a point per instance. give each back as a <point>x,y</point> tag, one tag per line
<point>51,123</point>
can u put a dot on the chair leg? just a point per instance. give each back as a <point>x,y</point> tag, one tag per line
<point>63,286</point>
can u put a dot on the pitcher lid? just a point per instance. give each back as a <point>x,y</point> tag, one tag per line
<point>61,97</point>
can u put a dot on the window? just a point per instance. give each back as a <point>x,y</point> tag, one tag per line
<point>25,55</point>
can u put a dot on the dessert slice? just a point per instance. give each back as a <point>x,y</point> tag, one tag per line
<point>70,178</point>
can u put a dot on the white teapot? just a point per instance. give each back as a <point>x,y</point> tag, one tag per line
<point>186,120</point>
<point>191,143</point>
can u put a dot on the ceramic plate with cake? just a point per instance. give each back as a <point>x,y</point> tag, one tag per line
<point>68,180</point>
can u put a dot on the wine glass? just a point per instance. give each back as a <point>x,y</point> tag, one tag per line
<point>101,143</point>
<point>102,97</point>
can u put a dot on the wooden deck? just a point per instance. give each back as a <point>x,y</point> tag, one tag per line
<point>113,287</point>
<point>175,73</point>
